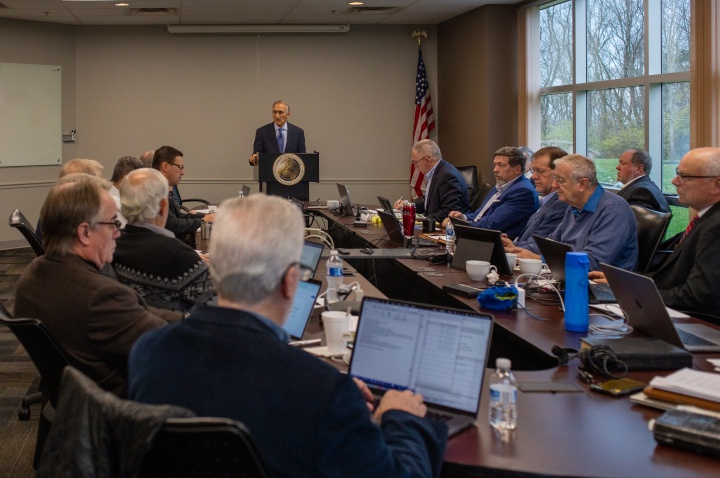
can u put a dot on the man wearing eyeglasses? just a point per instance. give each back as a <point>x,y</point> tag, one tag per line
<point>446,189</point>
<point>597,222</point>
<point>233,361</point>
<point>552,209</point>
<point>169,161</point>
<point>638,189</point>
<point>688,280</point>
<point>94,317</point>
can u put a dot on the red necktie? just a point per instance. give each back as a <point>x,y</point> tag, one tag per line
<point>689,228</point>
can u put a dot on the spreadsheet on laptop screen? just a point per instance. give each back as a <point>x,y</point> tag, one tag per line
<point>438,353</point>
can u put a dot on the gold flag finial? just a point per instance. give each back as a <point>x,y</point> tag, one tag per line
<point>419,34</point>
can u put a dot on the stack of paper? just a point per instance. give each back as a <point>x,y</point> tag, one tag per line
<point>687,386</point>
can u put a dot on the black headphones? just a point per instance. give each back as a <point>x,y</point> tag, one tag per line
<point>599,359</point>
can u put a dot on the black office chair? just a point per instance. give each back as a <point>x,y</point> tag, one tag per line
<point>182,201</point>
<point>19,222</point>
<point>470,175</point>
<point>651,227</point>
<point>50,359</point>
<point>196,447</point>
<point>480,196</point>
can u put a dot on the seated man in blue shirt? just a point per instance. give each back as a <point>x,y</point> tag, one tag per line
<point>233,360</point>
<point>597,222</point>
<point>511,202</point>
<point>552,209</point>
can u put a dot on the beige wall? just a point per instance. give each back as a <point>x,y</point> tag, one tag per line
<point>477,81</point>
<point>128,89</point>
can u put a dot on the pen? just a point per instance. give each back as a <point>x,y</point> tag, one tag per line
<point>303,343</point>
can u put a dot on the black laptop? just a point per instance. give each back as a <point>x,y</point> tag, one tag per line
<point>395,231</point>
<point>438,352</point>
<point>553,252</point>
<point>474,243</point>
<point>345,203</point>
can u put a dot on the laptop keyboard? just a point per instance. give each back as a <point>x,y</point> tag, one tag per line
<point>602,293</point>
<point>441,417</point>
<point>691,339</point>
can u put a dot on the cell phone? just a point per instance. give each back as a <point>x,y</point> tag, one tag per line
<point>462,290</point>
<point>618,387</point>
<point>359,224</point>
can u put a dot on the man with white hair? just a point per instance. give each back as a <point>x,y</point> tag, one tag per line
<point>233,361</point>
<point>596,222</point>
<point>168,273</point>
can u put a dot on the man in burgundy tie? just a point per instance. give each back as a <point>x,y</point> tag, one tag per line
<point>689,279</point>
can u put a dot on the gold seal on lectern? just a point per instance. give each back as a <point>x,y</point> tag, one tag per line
<point>288,169</point>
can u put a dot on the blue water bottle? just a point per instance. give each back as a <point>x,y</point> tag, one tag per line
<point>576,292</point>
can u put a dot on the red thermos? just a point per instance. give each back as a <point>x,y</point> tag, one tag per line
<point>408,216</point>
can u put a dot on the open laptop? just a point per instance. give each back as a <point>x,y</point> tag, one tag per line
<point>386,205</point>
<point>474,243</point>
<point>395,231</point>
<point>345,203</point>
<point>312,251</point>
<point>553,252</point>
<point>438,352</point>
<point>639,298</point>
<point>302,307</point>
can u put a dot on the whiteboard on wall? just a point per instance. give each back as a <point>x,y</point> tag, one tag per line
<point>30,115</point>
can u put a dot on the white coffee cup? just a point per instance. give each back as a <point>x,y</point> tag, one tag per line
<point>212,208</point>
<point>512,260</point>
<point>333,204</point>
<point>336,324</point>
<point>532,266</point>
<point>478,270</point>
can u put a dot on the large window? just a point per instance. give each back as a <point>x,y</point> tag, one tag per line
<point>614,75</point>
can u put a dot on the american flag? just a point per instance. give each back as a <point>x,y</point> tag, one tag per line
<point>424,122</point>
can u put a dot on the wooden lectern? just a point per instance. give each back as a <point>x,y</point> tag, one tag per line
<point>288,174</point>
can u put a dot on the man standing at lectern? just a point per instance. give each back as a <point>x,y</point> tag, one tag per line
<point>279,136</point>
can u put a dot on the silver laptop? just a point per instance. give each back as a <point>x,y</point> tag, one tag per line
<point>303,304</point>
<point>345,203</point>
<point>645,310</point>
<point>438,352</point>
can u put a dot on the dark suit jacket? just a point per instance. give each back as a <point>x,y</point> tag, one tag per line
<point>95,318</point>
<point>511,210</point>
<point>689,279</point>
<point>307,418</point>
<point>544,221</point>
<point>266,140</point>
<point>179,222</point>
<point>643,192</point>
<point>448,192</point>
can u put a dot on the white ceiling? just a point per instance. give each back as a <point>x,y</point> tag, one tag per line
<point>146,12</point>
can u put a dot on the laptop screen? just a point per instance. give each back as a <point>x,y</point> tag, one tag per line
<point>483,244</point>
<point>311,254</point>
<point>438,352</point>
<point>302,308</point>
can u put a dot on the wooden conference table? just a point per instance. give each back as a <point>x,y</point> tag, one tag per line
<point>558,434</point>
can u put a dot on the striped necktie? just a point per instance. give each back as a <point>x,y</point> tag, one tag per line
<point>280,140</point>
<point>689,228</point>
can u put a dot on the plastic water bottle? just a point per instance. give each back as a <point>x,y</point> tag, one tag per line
<point>334,276</point>
<point>503,396</point>
<point>450,239</point>
<point>576,292</point>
